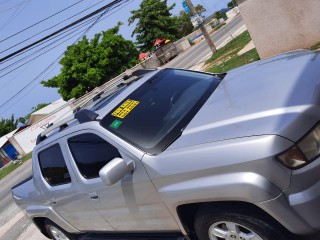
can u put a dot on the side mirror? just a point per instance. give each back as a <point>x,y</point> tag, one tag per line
<point>115,170</point>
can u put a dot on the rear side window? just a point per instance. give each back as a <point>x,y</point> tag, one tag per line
<point>53,166</point>
<point>91,153</point>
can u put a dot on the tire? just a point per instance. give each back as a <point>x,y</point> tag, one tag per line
<point>236,223</point>
<point>57,233</point>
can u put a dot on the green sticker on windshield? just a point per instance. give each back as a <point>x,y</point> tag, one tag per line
<point>116,124</point>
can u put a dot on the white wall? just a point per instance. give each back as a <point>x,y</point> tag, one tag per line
<point>26,139</point>
<point>232,12</point>
<point>280,26</point>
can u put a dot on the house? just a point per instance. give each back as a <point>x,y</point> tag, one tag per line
<point>43,112</point>
<point>24,141</point>
<point>8,152</point>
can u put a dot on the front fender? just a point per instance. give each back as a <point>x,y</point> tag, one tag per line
<point>242,169</point>
<point>243,186</point>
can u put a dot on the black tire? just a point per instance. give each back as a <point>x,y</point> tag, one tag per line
<point>246,221</point>
<point>51,227</point>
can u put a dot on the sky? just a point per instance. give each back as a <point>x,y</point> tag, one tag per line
<point>20,78</point>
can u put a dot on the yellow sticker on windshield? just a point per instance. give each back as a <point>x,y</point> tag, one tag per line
<point>125,108</point>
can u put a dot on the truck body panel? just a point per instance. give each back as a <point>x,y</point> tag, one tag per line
<point>228,152</point>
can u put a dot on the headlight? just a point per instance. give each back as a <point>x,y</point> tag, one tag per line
<point>303,152</point>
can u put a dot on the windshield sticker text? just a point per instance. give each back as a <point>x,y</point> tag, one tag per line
<point>125,108</point>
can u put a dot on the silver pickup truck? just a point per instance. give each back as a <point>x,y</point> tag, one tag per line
<point>176,154</point>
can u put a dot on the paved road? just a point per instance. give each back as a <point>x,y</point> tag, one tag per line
<point>6,184</point>
<point>13,223</point>
<point>200,52</point>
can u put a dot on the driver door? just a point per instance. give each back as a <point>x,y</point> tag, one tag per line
<point>131,204</point>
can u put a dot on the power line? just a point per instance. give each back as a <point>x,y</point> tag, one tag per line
<point>17,33</point>
<point>1,76</point>
<point>38,76</point>
<point>206,7</point>
<point>25,40</point>
<point>75,27</point>
<point>14,15</point>
<point>15,6</point>
<point>99,19</point>
<point>48,45</point>
<point>84,23</point>
<point>4,2</point>
<point>12,79</point>
<point>64,28</point>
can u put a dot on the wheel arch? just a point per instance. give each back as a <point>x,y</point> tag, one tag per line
<point>41,213</point>
<point>40,223</point>
<point>187,213</point>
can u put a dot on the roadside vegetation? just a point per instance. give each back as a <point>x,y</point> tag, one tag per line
<point>217,27</point>
<point>8,125</point>
<point>226,58</point>
<point>4,171</point>
<point>315,47</point>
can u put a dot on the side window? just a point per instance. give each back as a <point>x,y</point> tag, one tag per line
<point>91,153</point>
<point>53,166</point>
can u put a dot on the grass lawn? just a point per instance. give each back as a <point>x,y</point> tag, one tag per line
<point>6,170</point>
<point>226,58</point>
<point>217,27</point>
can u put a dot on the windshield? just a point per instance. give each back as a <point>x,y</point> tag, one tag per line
<point>155,114</point>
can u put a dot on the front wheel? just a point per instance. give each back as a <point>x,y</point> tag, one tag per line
<point>234,223</point>
<point>57,233</point>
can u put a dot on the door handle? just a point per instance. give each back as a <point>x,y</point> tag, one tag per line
<point>93,196</point>
<point>52,201</point>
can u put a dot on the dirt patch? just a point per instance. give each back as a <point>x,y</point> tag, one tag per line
<point>225,57</point>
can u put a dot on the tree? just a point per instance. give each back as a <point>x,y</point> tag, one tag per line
<point>200,9</point>
<point>7,125</point>
<point>219,14</point>
<point>89,64</point>
<point>154,21</point>
<point>185,26</point>
<point>232,4</point>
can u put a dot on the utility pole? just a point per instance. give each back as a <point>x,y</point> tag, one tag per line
<point>202,28</point>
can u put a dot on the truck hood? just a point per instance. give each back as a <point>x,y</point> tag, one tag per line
<point>278,95</point>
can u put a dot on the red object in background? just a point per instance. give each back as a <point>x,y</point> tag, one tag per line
<point>159,41</point>
<point>143,56</point>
